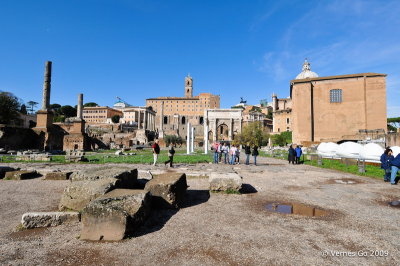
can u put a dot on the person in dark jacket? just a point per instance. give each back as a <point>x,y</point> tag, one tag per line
<point>291,154</point>
<point>171,153</point>
<point>255,154</point>
<point>386,160</point>
<point>247,151</point>
<point>298,154</point>
<point>395,167</point>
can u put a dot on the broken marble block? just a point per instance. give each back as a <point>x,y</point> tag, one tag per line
<point>79,193</point>
<point>46,219</point>
<point>127,176</point>
<point>167,190</point>
<point>21,175</point>
<point>115,215</point>
<point>57,175</point>
<point>225,182</point>
<point>5,169</point>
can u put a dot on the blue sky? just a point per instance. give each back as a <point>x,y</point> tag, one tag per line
<point>142,49</point>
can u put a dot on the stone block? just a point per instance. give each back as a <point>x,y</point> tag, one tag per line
<point>115,215</point>
<point>46,219</point>
<point>57,175</point>
<point>145,174</point>
<point>168,189</point>
<point>225,182</point>
<point>79,193</point>
<point>5,169</point>
<point>21,175</point>
<point>127,176</point>
<point>348,161</point>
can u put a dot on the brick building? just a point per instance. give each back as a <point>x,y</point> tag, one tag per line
<point>99,114</point>
<point>332,108</point>
<point>173,113</point>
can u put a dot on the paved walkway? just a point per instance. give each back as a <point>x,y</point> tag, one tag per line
<point>221,229</point>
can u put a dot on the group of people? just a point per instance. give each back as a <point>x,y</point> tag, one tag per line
<point>294,154</point>
<point>156,151</point>
<point>231,153</point>
<point>390,165</point>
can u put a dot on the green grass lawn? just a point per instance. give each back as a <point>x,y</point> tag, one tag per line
<point>370,170</point>
<point>140,157</point>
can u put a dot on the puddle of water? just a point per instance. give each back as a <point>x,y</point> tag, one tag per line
<point>344,181</point>
<point>395,203</point>
<point>295,208</point>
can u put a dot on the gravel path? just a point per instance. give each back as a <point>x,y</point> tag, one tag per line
<point>219,229</point>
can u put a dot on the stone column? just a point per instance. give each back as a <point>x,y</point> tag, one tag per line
<point>188,139</point>
<point>230,129</point>
<point>145,119</point>
<point>46,86</point>
<point>161,117</point>
<point>205,138</point>
<point>215,130</point>
<point>139,119</point>
<point>192,139</point>
<point>80,106</point>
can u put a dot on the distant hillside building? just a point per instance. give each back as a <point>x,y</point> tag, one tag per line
<point>99,114</point>
<point>173,113</point>
<point>334,108</point>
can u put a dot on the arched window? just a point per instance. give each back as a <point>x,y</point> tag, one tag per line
<point>165,120</point>
<point>201,120</point>
<point>183,120</point>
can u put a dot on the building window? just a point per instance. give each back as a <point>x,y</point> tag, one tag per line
<point>287,120</point>
<point>201,120</point>
<point>335,96</point>
<point>165,120</point>
<point>183,120</point>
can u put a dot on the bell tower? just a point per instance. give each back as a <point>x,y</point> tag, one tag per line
<point>188,86</point>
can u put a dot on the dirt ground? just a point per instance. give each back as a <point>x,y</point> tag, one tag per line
<point>220,229</point>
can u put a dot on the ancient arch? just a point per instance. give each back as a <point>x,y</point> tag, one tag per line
<point>223,132</point>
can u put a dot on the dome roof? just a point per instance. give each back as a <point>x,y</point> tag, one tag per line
<point>306,71</point>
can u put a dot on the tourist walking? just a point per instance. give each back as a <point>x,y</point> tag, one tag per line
<point>298,154</point>
<point>232,153</point>
<point>291,154</point>
<point>225,151</point>
<point>255,154</point>
<point>237,155</point>
<point>395,167</point>
<point>156,151</point>
<point>247,151</point>
<point>171,153</point>
<point>216,148</point>
<point>386,160</point>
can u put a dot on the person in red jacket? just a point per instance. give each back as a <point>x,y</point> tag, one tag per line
<point>156,151</point>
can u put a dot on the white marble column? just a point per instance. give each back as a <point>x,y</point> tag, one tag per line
<point>192,140</point>
<point>188,139</point>
<point>205,138</point>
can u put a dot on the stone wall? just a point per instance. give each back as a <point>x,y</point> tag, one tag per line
<point>14,138</point>
<point>393,139</point>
